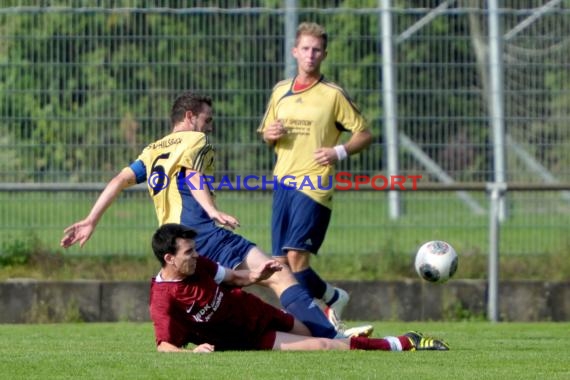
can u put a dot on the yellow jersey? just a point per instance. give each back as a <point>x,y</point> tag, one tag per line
<point>163,163</point>
<point>313,118</point>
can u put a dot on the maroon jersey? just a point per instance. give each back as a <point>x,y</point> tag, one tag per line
<point>198,310</point>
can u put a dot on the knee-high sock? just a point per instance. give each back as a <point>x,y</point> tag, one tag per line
<point>297,302</point>
<point>311,281</point>
<point>389,343</point>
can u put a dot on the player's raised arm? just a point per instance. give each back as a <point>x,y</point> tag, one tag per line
<point>246,277</point>
<point>81,231</point>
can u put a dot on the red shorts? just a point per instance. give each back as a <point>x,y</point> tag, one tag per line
<point>278,320</point>
<point>254,326</point>
<point>267,340</point>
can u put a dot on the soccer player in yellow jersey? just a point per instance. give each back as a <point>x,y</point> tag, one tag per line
<point>174,168</point>
<point>304,119</point>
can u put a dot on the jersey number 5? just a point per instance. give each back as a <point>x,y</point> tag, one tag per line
<point>158,180</point>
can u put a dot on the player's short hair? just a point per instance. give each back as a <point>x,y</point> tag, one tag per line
<point>188,101</point>
<point>312,29</point>
<point>164,239</point>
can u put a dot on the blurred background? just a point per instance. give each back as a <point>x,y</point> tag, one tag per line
<point>463,93</point>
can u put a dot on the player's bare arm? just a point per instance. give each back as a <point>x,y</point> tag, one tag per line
<point>246,277</point>
<point>81,231</point>
<point>201,193</point>
<point>357,142</point>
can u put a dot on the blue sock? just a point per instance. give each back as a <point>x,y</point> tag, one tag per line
<point>311,281</point>
<point>298,303</point>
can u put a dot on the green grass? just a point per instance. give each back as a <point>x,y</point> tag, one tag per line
<point>480,350</point>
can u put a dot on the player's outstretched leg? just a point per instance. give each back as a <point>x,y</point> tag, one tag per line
<point>287,341</point>
<point>408,342</point>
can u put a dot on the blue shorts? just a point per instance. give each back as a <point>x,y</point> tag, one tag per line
<point>297,222</point>
<point>223,246</point>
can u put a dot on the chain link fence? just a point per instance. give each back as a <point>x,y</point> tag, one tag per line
<point>84,85</point>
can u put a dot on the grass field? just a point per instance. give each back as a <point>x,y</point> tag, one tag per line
<point>480,350</point>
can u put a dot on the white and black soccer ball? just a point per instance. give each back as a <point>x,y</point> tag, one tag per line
<point>436,261</point>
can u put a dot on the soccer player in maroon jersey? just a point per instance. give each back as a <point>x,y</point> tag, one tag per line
<point>194,300</point>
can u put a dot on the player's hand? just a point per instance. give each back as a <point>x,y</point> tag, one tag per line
<point>266,270</point>
<point>274,132</point>
<point>77,232</point>
<point>325,156</point>
<point>204,348</point>
<point>225,220</point>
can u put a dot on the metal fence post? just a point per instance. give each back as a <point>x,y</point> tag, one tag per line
<point>496,99</point>
<point>389,92</point>
<point>497,191</point>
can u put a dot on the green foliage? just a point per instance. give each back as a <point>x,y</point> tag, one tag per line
<point>82,92</point>
<point>92,80</point>
<point>17,251</point>
<point>458,312</point>
<point>43,312</point>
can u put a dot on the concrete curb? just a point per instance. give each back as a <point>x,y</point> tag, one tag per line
<point>31,301</point>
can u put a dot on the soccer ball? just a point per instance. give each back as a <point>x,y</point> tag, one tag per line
<point>436,261</point>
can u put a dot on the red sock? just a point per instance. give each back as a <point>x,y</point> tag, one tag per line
<point>405,341</point>
<point>364,343</point>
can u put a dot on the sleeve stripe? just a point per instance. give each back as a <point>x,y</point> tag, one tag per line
<point>139,168</point>
<point>220,275</point>
<point>199,162</point>
<point>343,93</point>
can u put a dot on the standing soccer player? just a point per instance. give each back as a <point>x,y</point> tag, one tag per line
<point>303,122</point>
<point>174,168</point>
